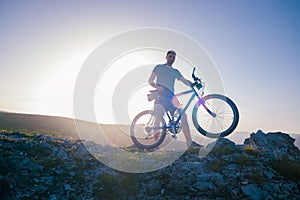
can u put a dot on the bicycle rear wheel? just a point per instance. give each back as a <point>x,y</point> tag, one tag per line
<point>145,133</point>
<point>222,122</point>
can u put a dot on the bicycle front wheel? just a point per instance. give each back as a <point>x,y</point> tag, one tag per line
<point>219,120</point>
<point>148,129</point>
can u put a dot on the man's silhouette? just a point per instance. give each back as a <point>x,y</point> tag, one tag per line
<point>165,76</point>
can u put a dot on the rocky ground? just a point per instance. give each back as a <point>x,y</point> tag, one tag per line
<point>35,166</point>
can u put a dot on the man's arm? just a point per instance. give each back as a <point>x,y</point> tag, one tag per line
<point>151,82</point>
<point>185,81</point>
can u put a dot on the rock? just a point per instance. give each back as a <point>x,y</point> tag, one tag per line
<point>18,135</point>
<point>62,154</point>
<point>68,187</point>
<point>274,145</point>
<point>67,144</point>
<point>53,197</point>
<point>215,178</point>
<point>48,139</point>
<point>253,191</point>
<point>39,137</point>
<point>65,169</point>
<point>204,186</point>
<point>44,145</point>
<point>225,143</point>
<point>154,187</point>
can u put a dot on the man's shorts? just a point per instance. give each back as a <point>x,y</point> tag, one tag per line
<point>164,101</point>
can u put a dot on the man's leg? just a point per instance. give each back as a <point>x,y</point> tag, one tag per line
<point>184,122</point>
<point>186,129</point>
<point>176,102</point>
<point>160,111</point>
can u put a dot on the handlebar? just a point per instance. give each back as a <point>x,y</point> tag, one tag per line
<point>198,82</point>
<point>193,75</point>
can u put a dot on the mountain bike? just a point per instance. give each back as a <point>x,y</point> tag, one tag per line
<point>213,115</point>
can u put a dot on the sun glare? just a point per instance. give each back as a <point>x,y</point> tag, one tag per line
<point>122,89</point>
<point>55,94</point>
<point>118,82</point>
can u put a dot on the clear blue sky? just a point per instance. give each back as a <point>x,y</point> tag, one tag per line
<point>255,45</point>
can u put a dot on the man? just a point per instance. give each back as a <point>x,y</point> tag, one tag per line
<point>165,78</point>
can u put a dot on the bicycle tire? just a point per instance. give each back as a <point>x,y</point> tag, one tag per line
<point>221,125</point>
<point>138,133</point>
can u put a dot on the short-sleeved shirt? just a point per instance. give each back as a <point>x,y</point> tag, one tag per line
<point>166,76</point>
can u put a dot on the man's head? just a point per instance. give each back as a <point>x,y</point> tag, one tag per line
<point>170,57</point>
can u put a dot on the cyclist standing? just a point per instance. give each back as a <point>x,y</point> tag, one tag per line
<point>165,76</point>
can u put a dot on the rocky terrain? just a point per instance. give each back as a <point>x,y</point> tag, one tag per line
<point>36,166</point>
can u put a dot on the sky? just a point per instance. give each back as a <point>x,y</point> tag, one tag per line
<point>255,46</point>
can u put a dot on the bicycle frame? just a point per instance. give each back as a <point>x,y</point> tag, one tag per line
<point>200,101</point>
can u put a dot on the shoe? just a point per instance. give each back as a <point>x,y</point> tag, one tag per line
<point>193,145</point>
<point>153,149</point>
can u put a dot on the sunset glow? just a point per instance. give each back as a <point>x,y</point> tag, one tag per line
<point>254,45</point>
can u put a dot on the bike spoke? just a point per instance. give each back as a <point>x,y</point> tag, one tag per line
<point>220,121</point>
<point>144,132</point>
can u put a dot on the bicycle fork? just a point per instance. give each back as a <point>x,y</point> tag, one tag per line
<point>201,102</point>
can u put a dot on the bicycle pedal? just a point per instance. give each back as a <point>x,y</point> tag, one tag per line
<point>174,136</point>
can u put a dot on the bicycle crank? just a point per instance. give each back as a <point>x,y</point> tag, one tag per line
<point>175,129</point>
